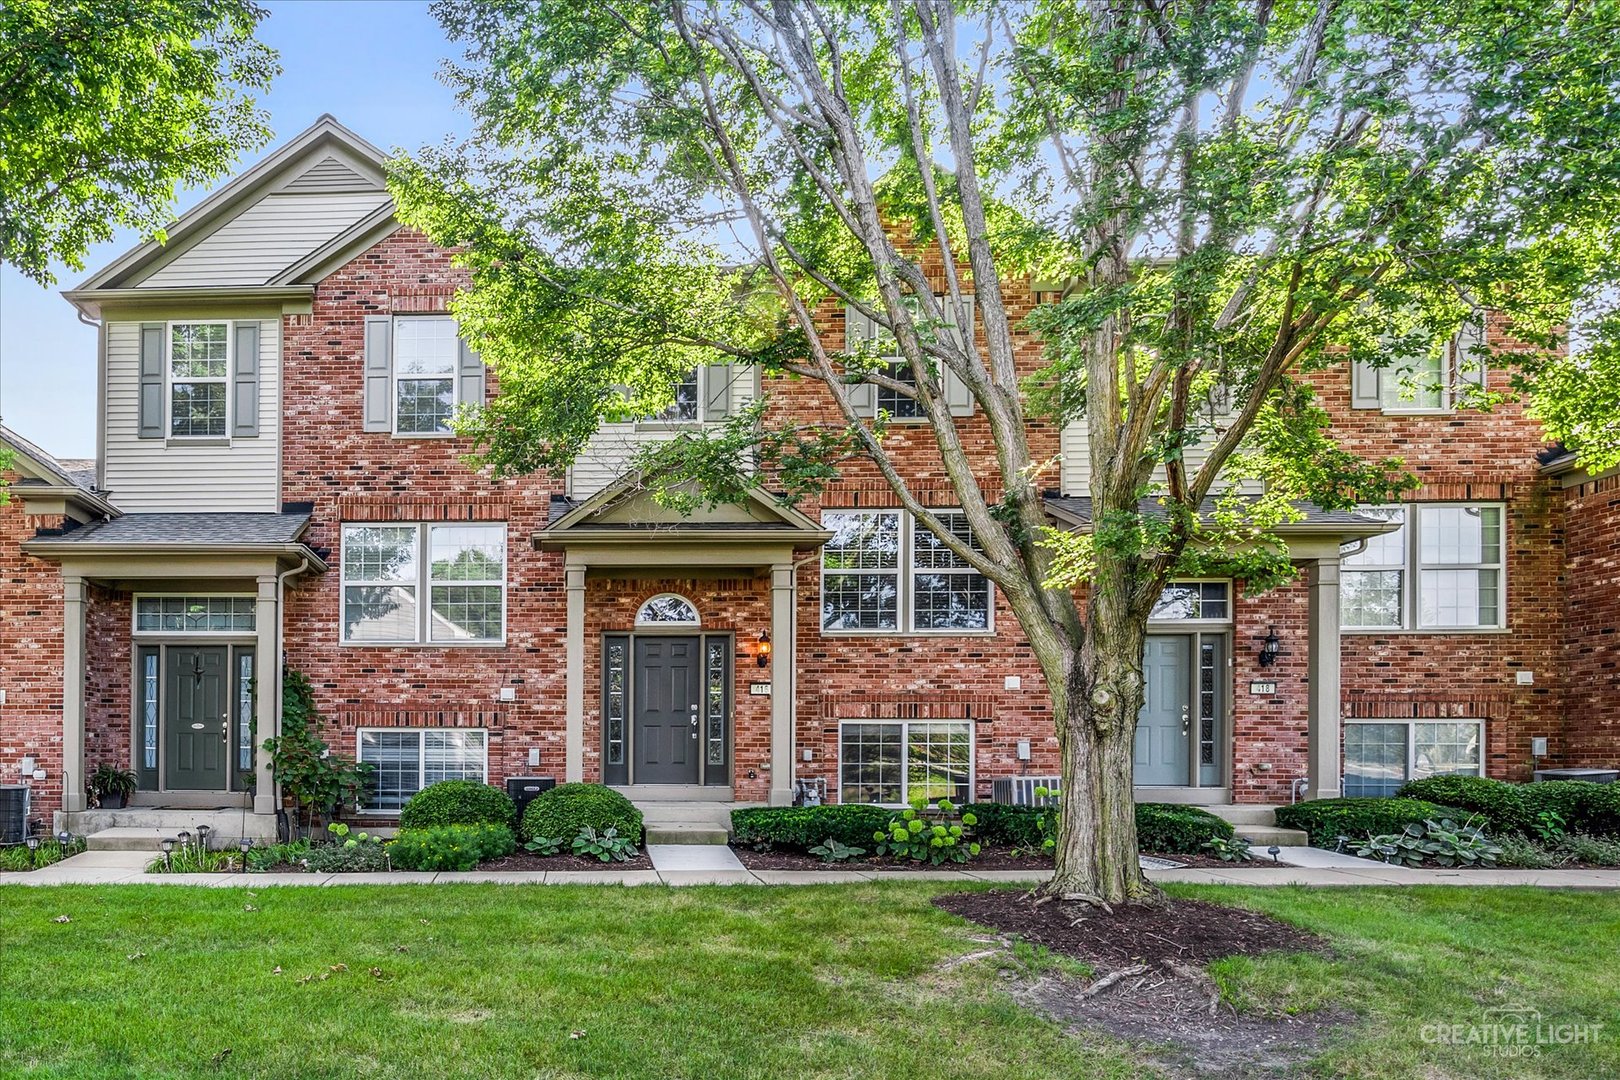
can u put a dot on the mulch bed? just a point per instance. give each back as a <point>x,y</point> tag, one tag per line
<point>525,861</point>
<point>1150,986</point>
<point>988,859</point>
<point>1172,931</point>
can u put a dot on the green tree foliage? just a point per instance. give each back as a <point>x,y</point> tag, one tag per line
<point>108,106</point>
<point>1230,195</point>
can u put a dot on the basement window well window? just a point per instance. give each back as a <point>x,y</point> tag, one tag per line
<point>1381,755</point>
<point>408,761</point>
<point>386,578</point>
<point>891,762</point>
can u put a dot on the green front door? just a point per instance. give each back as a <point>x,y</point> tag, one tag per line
<point>196,717</point>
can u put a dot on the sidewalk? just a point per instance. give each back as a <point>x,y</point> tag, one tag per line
<point>716,865</point>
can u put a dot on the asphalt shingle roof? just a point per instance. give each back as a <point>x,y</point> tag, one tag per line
<point>1079,508</point>
<point>192,529</point>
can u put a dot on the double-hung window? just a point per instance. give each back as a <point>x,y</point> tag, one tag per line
<point>462,577</point>
<point>688,404</point>
<point>426,354</point>
<point>1381,755</point>
<point>199,375</point>
<point>408,761</point>
<point>1444,568</point>
<point>894,761</point>
<point>882,572</point>
<point>1432,382</point>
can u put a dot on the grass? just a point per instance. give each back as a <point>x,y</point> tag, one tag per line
<point>834,981</point>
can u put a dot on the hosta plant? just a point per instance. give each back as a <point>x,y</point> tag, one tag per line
<point>606,845</point>
<point>833,851</point>
<point>1443,843</point>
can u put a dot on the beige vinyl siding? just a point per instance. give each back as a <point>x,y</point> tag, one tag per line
<point>151,475</point>
<point>1075,474</point>
<point>608,453</point>
<point>265,239</point>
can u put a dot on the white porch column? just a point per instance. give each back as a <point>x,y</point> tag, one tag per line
<point>574,718</point>
<point>1323,700</point>
<point>784,596</point>
<point>73,774</point>
<point>267,676</point>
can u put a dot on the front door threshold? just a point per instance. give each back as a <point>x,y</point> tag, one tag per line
<point>674,792</point>
<point>199,800</point>
<point>1185,796</point>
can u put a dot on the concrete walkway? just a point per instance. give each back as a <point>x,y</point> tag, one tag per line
<point>681,864</point>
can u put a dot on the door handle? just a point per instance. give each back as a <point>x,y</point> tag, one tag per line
<point>1186,720</point>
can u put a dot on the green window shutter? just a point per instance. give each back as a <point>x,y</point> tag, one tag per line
<point>379,373</point>
<point>1364,388</point>
<point>958,398</point>
<point>153,336</point>
<point>716,391</point>
<point>245,380</point>
<point>470,377</point>
<point>858,329</point>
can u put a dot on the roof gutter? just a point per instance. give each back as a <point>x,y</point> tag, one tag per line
<point>50,545</point>
<point>89,301</point>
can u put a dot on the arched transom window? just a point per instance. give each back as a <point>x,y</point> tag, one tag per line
<point>667,609</point>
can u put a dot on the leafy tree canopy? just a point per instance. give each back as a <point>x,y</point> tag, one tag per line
<point>107,107</point>
<point>1228,195</point>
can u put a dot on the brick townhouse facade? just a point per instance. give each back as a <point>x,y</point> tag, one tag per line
<point>276,484</point>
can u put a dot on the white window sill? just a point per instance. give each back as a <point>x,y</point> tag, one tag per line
<point>196,440</point>
<point>988,633</point>
<point>422,434</point>
<point>1422,631</point>
<point>422,644</point>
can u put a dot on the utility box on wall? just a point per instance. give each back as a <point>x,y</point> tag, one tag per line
<point>525,789</point>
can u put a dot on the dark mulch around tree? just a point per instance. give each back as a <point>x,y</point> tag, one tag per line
<point>988,859</point>
<point>1172,931</point>
<point>524,861</point>
<point>1150,986</point>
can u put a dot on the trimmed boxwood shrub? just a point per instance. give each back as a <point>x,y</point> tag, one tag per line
<point>1177,830</point>
<point>1324,820</point>
<point>1515,808</point>
<point>458,802</point>
<point>450,847</point>
<point>800,828</point>
<point>560,813</point>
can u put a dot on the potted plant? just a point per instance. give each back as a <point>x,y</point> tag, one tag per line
<point>111,786</point>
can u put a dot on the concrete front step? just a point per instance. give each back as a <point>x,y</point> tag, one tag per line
<point>139,828</point>
<point>1263,836</point>
<point>685,834</point>
<point>1245,813</point>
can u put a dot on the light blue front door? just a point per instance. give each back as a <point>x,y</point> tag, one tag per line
<point>1163,728</point>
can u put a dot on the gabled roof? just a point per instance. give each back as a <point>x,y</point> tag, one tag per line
<point>321,190</point>
<point>44,477</point>
<point>626,511</point>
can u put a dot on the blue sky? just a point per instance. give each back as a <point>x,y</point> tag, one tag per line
<point>370,63</point>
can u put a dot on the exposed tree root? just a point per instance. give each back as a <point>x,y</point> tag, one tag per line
<point>1112,979</point>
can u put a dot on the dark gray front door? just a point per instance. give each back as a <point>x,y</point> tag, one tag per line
<point>196,718</point>
<point>667,737</point>
<point>1164,725</point>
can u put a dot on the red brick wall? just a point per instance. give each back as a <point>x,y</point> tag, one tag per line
<point>1592,651</point>
<point>108,707</point>
<point>1270,731</point>
<point>328,459</point>
<point>31,643</point>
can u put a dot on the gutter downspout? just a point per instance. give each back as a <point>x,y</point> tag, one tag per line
<point>281,627</point>
<point>101,398</point>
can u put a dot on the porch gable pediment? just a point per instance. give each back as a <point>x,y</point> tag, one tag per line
<point>627,511</point>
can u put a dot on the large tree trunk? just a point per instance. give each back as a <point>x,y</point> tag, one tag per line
<point>1096,842</point>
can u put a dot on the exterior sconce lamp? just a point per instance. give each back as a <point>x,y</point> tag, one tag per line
<point>763,655</point>
<point>1270,647</point>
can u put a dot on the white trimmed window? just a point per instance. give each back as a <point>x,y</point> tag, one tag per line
<point>1381,755</point>
<point>385,579</point>
<point>883,573</point>
<point>406,761</point>
<point>890,761</point>
<point>1430,383</point>
<point>426,354</point>
<point>1444,568</point>
<point>199,366</point>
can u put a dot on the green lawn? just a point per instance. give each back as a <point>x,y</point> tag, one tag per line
<point>493,982</point>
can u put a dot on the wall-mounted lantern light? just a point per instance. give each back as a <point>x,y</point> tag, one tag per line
<point>1270,647</point>
<point>763,655</point>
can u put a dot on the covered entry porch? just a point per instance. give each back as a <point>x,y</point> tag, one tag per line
<point>180,680</point>
<point>680,645</point>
